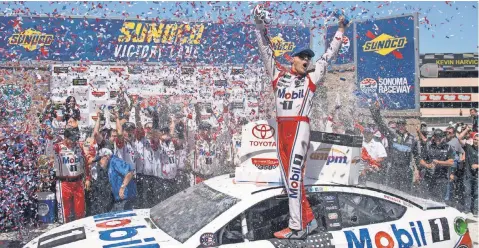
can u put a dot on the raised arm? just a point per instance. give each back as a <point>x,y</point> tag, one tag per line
<point>96,130</point>
<point>322,63</point>
<point>264,43</point>
<point>378,120</point>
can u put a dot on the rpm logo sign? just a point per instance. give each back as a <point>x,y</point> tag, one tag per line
<point>263,131</point>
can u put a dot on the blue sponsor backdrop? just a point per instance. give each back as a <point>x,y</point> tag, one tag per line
<point>386,64</point>
<point>346,53</point>
<point>75,39</point>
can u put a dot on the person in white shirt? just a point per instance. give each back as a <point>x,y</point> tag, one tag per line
<point>373,154</point>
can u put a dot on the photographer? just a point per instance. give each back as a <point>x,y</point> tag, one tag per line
<point>71,112</point>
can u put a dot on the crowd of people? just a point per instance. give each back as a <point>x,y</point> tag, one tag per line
<point>119,164</point>
<point>438,164</point>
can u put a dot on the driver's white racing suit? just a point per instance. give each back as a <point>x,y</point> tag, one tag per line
<point>294,94</point>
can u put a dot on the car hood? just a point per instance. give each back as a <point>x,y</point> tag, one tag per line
<point>125,228</point>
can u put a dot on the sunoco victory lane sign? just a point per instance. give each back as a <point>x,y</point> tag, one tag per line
<point>75,39</point>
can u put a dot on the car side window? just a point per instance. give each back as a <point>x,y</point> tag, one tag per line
<point>231,233</point>
<point>359,210</point>
<point>272,215</point>
<point>267,217</point>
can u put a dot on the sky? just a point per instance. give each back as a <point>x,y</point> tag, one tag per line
<point>445,27</point>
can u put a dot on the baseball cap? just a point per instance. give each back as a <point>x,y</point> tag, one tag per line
<point>128,126</point>
<point>473,134</point>
<point>303,50</point>
<point>401,121</point>
<point>438,133</point>
<point>103,152</point>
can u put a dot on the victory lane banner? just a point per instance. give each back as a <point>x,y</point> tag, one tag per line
<point>119,40</point>
<point>387,62</point>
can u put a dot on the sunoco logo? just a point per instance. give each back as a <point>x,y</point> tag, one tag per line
<point>280,46</point>
<point>368,85</point>
<point>31,39</point>
<point>263,131</point>
<point>384,44</point>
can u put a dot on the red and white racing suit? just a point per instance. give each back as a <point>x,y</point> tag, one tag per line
<point>70,167</point>
<point>294,94</point>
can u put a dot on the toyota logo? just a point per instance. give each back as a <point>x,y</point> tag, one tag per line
<point>263,131</point>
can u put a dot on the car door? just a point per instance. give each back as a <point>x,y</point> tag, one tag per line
<point>368,221</point>
<point>257,224</point>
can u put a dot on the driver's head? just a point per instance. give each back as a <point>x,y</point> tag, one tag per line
<point>301,60</point>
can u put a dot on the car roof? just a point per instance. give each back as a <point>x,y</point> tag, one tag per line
<point>227,185</point>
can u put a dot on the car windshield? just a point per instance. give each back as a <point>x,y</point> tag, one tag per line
<point>185,213</point>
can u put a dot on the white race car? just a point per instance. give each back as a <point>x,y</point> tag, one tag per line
<point>222,213</point>
<point>225,212</point>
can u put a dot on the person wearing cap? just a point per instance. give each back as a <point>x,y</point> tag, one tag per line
<point>100,194</point>
<point>120,174</point>
<point>71,168</point>
<point>205,161</point>
<point>437,158</point>
<point>104,137</point>
<point>456,192</point>
<point>471,179</point>
<point>294,89</point>
<point>474,117</point>
<point>127,135</point>
<point>373,154</point>
<point>402,147</point>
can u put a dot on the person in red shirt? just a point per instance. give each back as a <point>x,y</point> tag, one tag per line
<point>71,168</point>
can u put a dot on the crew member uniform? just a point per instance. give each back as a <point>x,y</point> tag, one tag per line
<point>70,167</point>
<point>437,179</point>
<point>401,148</point>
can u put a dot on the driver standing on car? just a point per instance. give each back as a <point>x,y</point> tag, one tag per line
<point>294,90</point>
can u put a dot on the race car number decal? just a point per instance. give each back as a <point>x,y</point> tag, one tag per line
<point>439,230</point>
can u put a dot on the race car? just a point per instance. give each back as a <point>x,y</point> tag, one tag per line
<point>229,211</point>
<point>222,213</point>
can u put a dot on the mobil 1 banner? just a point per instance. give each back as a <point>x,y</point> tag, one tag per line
<point>387,62</point>
<point>346,52</point>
